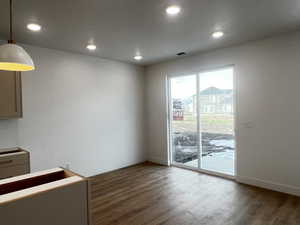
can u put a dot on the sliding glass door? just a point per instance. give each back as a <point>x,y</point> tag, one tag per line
<point>217,120</point>
<point>202,121</point>
<point>184,120</point>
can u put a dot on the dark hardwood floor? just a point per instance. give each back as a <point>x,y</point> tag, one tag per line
<point>151,194</point>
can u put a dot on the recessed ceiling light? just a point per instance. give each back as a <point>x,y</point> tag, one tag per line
<point>91,47</point>
<point>34,27</point>
<point>138,57</point>
<point>217,34</point>
<point>173,10</point>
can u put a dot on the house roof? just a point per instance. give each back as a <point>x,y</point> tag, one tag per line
<point>215,91</point>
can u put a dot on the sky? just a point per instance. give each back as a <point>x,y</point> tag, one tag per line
<point>185,86</point>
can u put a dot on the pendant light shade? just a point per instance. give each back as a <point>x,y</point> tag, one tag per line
<point>14,58</point>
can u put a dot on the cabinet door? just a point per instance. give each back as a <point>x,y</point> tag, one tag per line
<point>10,95</point>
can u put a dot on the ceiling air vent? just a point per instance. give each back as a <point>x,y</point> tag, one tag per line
<point>181,54</point>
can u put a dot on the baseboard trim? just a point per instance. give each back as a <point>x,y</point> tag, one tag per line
<point>158,161</point>
<point>292,190</point>
<point>119,168</point>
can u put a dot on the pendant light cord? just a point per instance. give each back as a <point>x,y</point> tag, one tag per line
<point>11,22</point>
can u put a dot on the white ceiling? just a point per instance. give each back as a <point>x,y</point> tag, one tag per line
<point>122,28</point>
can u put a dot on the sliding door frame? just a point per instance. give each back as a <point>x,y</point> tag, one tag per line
<point>199,147</point>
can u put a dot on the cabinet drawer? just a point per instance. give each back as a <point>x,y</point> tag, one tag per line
<point>12,159</point>
<point>12,171</point>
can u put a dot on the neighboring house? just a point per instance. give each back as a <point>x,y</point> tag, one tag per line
<point>215,100</point>
<point>212,100</point>
<point>178,109</point>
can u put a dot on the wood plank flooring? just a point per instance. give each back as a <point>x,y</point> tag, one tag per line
<point>148,194</point>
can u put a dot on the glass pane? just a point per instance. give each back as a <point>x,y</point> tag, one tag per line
<point>184,120</point>
<point>217,121</point>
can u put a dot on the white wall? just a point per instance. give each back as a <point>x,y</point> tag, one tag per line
<point>79,110</point>
<point>268,109</point>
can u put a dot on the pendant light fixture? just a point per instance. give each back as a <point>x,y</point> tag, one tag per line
<point>12,56</point>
